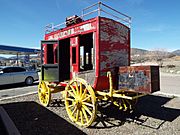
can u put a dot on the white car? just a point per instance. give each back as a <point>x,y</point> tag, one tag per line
<point>11,75</point>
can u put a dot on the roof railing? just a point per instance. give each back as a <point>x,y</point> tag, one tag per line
<point>87,13</point>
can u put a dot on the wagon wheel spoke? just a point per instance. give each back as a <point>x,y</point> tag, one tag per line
<point>81,96</point>
<point>85,115</point>
<point>72,94</point>
<point>87,109</point>
<point>71,106</point>
<point>77,115</point>
<point>80,89</point>
<point>77,89</point>
<point>74,110</point>
<point>89,96</point>
<point>84,93</point>
<point>87,104</point>
<point>81,115</point>
<point>70,99</point>
<point>72,88</point>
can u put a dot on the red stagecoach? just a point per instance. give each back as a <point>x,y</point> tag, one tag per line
<point>88,60</point>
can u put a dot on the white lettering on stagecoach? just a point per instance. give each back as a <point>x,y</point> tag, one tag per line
<point>71,31</point>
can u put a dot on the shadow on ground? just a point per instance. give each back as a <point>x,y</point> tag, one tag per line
<point>2,128</point>
<point>18,85</point>
<point>150,109</point>
<point>32,119</point>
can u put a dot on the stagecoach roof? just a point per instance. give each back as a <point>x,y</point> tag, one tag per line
<point>13,50</point>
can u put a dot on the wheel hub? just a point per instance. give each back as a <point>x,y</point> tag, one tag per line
<point>79,104</point>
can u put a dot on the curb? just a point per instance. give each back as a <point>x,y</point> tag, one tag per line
<point>30,93</point>
<point>167,94</point>
<point>8,123</point>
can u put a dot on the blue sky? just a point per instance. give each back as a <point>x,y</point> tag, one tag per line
<point>155,23</point>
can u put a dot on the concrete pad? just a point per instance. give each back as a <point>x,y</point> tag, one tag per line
<point>174,103</point>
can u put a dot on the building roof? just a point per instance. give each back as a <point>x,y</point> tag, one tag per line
<point>12,50</point>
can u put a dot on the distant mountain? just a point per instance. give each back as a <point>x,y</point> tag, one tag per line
<point>143,52</point>
<point>15,57</point>
<point>136,51</point>
<point>176,52</point>
<point>139,55</point>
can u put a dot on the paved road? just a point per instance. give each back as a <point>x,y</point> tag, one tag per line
<point>170,84</point>
<point>16,90</point>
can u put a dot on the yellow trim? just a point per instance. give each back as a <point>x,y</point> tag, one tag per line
<point>119,95</point>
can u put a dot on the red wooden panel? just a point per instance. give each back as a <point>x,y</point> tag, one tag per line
<point>144,79</point>
<point>114,49</point>
<point>44,48</point>
<point>74,42</point>
<point>114,45</point>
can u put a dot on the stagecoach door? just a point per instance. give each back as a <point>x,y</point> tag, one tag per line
<point>56,57</point>
<point>49,69</point>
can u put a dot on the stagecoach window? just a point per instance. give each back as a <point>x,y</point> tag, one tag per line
<point>74,55</point>
<point>86,52</point>
<point>50,54</point>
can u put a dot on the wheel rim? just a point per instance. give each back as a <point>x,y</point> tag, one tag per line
<point>80,102</point>
<point>44,93</point>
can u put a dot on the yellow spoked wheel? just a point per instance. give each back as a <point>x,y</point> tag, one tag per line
<point>44,93</point>
<point>80,102</point>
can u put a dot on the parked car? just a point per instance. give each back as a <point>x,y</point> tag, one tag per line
<point>11,75</point>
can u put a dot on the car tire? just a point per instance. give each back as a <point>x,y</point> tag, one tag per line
<point>29,81</point>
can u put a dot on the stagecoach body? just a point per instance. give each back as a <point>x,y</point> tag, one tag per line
<point>97,51</point>
<point>87,50</point>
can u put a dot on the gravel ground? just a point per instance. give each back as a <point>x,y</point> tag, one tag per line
<point>153,115</point>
